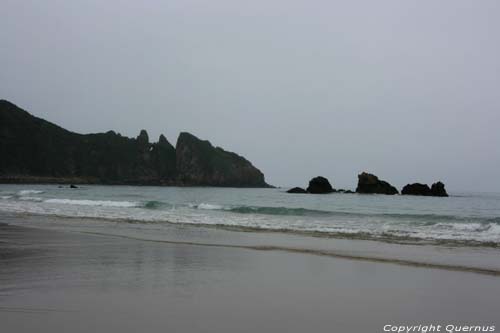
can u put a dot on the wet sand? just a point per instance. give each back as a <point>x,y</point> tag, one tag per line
<point>54,281</point>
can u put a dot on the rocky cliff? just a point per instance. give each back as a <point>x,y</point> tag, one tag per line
<point>35,150</point>
<point>200,163</point>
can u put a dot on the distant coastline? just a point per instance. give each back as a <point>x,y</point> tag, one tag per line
<point>35,180</point>
<point>36,151</point>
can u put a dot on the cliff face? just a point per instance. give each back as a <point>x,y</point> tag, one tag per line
<point>32,149</point>
<point>200,163</point>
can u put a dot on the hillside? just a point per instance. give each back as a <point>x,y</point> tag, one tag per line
<point>34,150</point>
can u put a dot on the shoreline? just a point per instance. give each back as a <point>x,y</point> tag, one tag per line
<point>361,236</point>
<point>481,260</point>
<point>56,280</point>
<point>34,180</point>
<point>493,272</point>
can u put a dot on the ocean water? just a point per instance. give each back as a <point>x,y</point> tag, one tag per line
<point>466,219</point>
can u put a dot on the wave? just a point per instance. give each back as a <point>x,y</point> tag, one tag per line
<point>392,227</point>
<point>281,211</point>
<point>463,223</point>
<point>264,210</point>
<point>154,204</point>
<point>469,227</point>
<point>26,192</point>
<point>5,197</point>
<point>423,219</point>
<point>110,203</point>
<point>36,199</point>
<point>106,203</point>
<point>488,237</point>
<point>207,206</point>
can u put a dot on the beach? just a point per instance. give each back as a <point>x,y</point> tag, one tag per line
<point>54,280</point>
<point>249,166</point>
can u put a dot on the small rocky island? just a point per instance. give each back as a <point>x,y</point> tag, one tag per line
<point>436,190</point>
<point>317,185</point>
<point>34,150</point>
<point>371,184</point>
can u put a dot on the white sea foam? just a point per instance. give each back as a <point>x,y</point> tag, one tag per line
<point>208,206</point>
<point>106,203</point>
<point>26,192</point>
<point>37,199</point>
<point>474,227</point>
<point>5,197</point>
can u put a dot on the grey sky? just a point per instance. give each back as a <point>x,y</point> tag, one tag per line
<point>408,90</point>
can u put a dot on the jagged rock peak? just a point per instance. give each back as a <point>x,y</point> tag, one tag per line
<point>163,142</point>
<point>143,137</point>
<point>186,137</point>
<point>162,139</point>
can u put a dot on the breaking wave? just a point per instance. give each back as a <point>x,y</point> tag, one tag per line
<point>425,219</point>
<point>360,224</point>
<point>106,203</point>
<point>26,192</point>
<point>154,204</point>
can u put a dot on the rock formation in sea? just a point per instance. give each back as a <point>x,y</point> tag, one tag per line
<point>297,190</point>
<point>319,185</point>
<point>436,190</point>
<point>33,150</point>
<point>370,184</point>
<point>416,189</point>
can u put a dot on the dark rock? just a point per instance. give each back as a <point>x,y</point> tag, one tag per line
<point>297,190</point>
<point>164,159</point>
<point>73,186</point>
<point>438,190</point>
<point>200,163</point>
<point>348,192</point>
<point>35,150</point>
<point>319,185</point>
<point>370,184</point>
<point>416,189</point>
<point>163,142</point>
<point>143,138</point>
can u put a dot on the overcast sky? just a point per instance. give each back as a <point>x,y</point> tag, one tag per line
<point>408,90</point>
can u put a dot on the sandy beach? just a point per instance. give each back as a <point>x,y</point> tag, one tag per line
<point>70,281</point>
<point>249,166</point>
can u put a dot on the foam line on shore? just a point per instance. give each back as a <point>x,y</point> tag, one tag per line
<point>383,237</point>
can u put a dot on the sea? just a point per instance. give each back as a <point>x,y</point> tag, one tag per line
<point>463,219</point>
